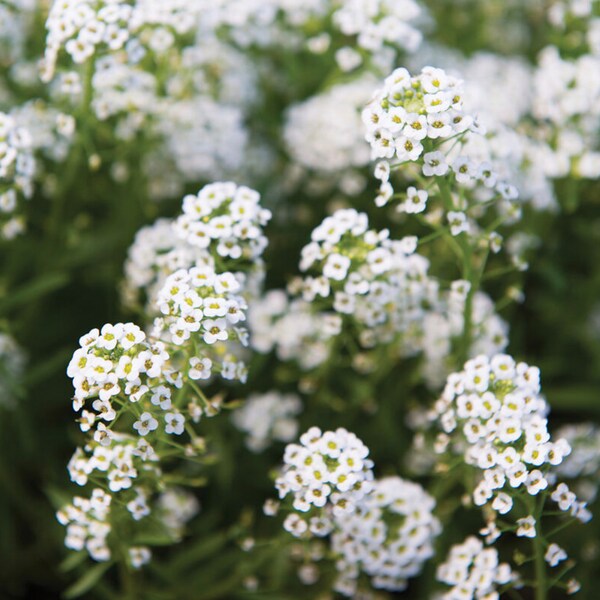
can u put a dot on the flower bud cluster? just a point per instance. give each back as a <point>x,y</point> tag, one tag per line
<point>268,417</point>
<point>388,538</point>
<point>492,412</point>
<point>474,571</point>
<point>328,474</point>
<point>17,168</point>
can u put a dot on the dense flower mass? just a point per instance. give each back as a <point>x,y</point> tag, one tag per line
<point>409,114</point>
<point>328,471</point>
<point>268,417</point>
<point>495,417</point>
<point>330,207</point>
<point>16,174</point>
<point>227,217</point>
<point>473,571</point>
<point>388,538</point>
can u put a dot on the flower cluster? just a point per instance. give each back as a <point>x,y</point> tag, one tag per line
<point>328,471</point>
<point>567,99</point>
<point>421,119</point>
<point>227,217</point>
<point>292,329</point>
<point>496,417</point>
<point>84,28</point>
<point>389,537</point>
<point>268,417</point>
<point>199,304</point>
<point>86,520</point>
<point>161,249</point>
<point>17,168</point>
<point>474,571</point>
<point>379,23</point>
<point>335,111</point>
<point>114,362</point>
<point>583,464</point>
<point>409,116</point>
<point>383,283</point>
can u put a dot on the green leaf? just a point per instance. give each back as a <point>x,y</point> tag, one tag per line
<point>32,291</point>
<point>73,560</point>
<point>87,581</point>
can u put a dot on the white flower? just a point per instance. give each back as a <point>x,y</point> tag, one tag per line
<point>458,222</point>
<point>145,424</point>
<point>416,200</point>
<point>526,527</point>
<point>435,164</point>
<point>554,555</point>
<point>175,423</point>
<point>336,267</point>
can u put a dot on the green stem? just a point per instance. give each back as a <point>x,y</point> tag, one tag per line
<point>541,584</point>
<point>127,579</point>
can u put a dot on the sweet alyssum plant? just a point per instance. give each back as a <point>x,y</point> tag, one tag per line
<point>403,203</point>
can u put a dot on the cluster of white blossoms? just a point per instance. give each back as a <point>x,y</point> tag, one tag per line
<point>227,217</point>
<point>328,474</point>
<point>12,369</point>
<point>380,22</point>
<point>420,119</point>
<point>566,101</point>
<point>268,417</point>
<point>116,362</point>
<point>493,414</point>
<point>161,249</point>
<point>117,459</point>
<point>498,89</point>
<point>199,304</point>
<point>412,115</point>
<point>86,520</point>
<point>292,329</point>
<point>84,28</point>
<point>474,571</point>
<point>377,27</point>
<point>388,538</point>
<point>382,283</point>
<point>383,529</point>
<point>17,168</point>
<point>337,112</point>
<point>583,464</point>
